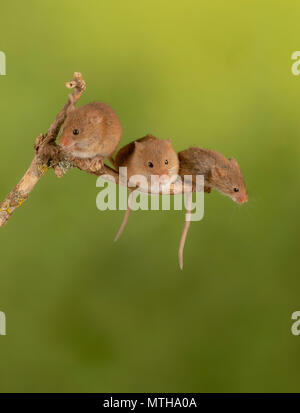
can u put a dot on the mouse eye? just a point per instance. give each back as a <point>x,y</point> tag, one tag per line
<point>236,189</point>
<point>166,162</point>
<point>75,132</point>
<point>150,164</point>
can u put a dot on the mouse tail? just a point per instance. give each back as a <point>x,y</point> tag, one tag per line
<point>185,230</point>
<point>125,219</point>
<point>182,242</point>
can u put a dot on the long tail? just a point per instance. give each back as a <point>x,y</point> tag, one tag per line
<point>125,219</point>
<point>185,230</point>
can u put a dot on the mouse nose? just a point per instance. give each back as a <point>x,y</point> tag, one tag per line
<point>65,141</point>
<point>242,199</point>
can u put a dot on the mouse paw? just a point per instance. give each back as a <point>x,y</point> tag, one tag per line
<point>95,164</point>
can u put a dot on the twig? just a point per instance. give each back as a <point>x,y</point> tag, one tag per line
<point>47,154</point>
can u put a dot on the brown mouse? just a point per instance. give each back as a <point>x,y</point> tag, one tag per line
<point>91,131</point>
<point>148,156</point>
<point>219,173</point>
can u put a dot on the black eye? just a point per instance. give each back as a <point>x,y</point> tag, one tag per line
<point>75,132</point>
<point>166,162</point>
<point>150,164</point>
<point>236,189</point>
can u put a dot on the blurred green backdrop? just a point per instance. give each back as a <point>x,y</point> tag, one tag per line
<point>85,314</point>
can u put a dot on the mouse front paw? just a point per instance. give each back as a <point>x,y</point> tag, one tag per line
<point>95,164</point>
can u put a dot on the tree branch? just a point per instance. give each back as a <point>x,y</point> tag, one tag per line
<point>47,154</point>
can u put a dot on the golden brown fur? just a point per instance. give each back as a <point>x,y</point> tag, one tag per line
<point>219,172</point>
<point>138,155</point>
<point>99,131</point>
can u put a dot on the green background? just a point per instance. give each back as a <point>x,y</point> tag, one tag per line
<point>87,315</point>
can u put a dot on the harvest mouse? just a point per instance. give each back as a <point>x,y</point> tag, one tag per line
<point>147,156</point>
<point>219,173</point>
<point>91,131</point>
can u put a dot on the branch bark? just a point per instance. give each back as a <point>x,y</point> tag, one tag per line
<point>47,154</point>
<point>50,155</point>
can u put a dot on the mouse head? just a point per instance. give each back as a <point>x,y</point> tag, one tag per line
<point>90,130</point>
<point>229,180</point>
<point>81,131</point>
<point>156,157</point>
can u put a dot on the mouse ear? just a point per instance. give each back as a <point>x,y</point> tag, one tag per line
<point>232,160</point>
<point>138,145</point>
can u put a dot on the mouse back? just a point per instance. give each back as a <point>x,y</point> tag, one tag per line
<point>221,173</point>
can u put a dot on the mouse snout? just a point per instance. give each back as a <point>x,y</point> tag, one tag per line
<point>65,141</point>
<point>163,172</point>
<point>242,198</point>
